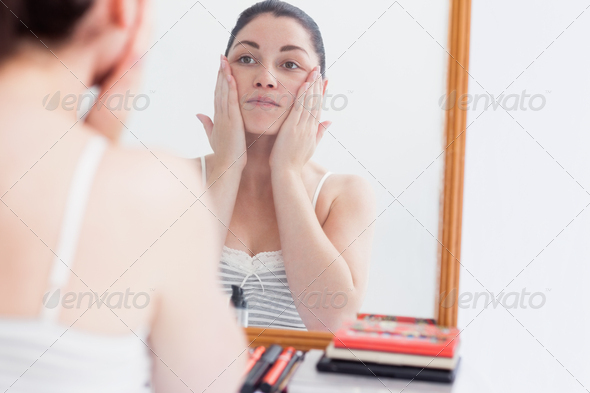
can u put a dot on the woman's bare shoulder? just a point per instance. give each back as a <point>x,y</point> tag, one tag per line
<point>338,183</point>
<point>151,179</point>
<point>340,187</point>
<point>350,187</point>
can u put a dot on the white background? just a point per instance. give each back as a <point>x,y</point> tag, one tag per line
<point>389,63</point>
<point>527,177</point>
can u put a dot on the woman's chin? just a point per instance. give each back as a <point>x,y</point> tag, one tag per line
<point>266,125</point>
<point>262,131</point>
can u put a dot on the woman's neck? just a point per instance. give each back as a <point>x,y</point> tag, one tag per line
<point>32,76</point>
<point>256,175</point>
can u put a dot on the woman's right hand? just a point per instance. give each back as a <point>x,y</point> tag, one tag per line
<point>226,133</point>
<point>124,77</point>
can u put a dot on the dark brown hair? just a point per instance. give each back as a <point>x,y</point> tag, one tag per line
<point>49,19</point>
<point>280,8</point>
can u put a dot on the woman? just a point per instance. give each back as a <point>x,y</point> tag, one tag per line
<point>301,256</point>
<point>82,216</point>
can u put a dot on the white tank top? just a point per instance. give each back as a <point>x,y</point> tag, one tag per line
<point>263,277</point>
<point>42,355</point>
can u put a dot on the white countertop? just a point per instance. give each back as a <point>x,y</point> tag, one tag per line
<point>502,350</point>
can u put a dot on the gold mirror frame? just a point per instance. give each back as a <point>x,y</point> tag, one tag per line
<point>452,198</point>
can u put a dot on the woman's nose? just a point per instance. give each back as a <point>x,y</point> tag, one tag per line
<point>265,79</point>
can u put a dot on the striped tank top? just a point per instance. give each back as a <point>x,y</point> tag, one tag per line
<point>263,278</point>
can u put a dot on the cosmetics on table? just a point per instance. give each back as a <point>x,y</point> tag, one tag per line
<point>287,374</point>
<point>270,369</point>
<point>398,337</point>
<point>393,358</point>
<point>398,348</point>
<point>394,318</point>
<point>272,376</point>
<point>369,369</point>
<point>390,348</point>
<point>254,377</point>
<point>256,355</point>
<point>351,378</point>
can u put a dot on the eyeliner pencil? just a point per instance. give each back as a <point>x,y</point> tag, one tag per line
<point>278,369</point>
<point>287,373</point>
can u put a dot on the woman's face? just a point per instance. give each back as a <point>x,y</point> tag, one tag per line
<point>272,61</point>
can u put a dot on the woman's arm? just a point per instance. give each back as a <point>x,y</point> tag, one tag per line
<point>228,140</point>
<point>223,183</point>
<point>195,340</point>
<point>327,267</point>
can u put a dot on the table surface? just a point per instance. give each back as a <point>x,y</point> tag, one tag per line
<point>502,350</point>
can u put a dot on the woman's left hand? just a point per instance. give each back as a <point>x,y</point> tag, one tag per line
<point>302,131</point>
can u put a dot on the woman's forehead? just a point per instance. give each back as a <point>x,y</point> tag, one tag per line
<point>271,34</point>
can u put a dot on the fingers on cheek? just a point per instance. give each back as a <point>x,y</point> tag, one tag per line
<point>313,100</point>
<point>320,99</point>
<point>314,109</point>
<point>300,98</point>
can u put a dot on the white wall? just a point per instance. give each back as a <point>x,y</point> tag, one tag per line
<point>390,131</point>
<point>527,177</point>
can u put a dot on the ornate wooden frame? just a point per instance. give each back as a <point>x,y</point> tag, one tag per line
<point>446,304</point>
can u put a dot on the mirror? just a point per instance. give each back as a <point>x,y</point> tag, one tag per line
<point>388,67</point>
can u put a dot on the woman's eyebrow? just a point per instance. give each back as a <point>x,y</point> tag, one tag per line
<point>293,47</point>
<point>283,49</point>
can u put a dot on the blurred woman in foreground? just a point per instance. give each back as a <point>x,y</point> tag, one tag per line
<point>107,260</point>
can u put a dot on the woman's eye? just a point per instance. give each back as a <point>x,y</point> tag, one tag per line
<point>246,62</point>
<point>249,60</point>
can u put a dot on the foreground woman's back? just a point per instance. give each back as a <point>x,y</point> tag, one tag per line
<point>81,219</point>
<point>70,363</point>
<point>128,242</point>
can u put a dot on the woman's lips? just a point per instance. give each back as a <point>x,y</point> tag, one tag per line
<point>263,104</point>
<point>262,101</point>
